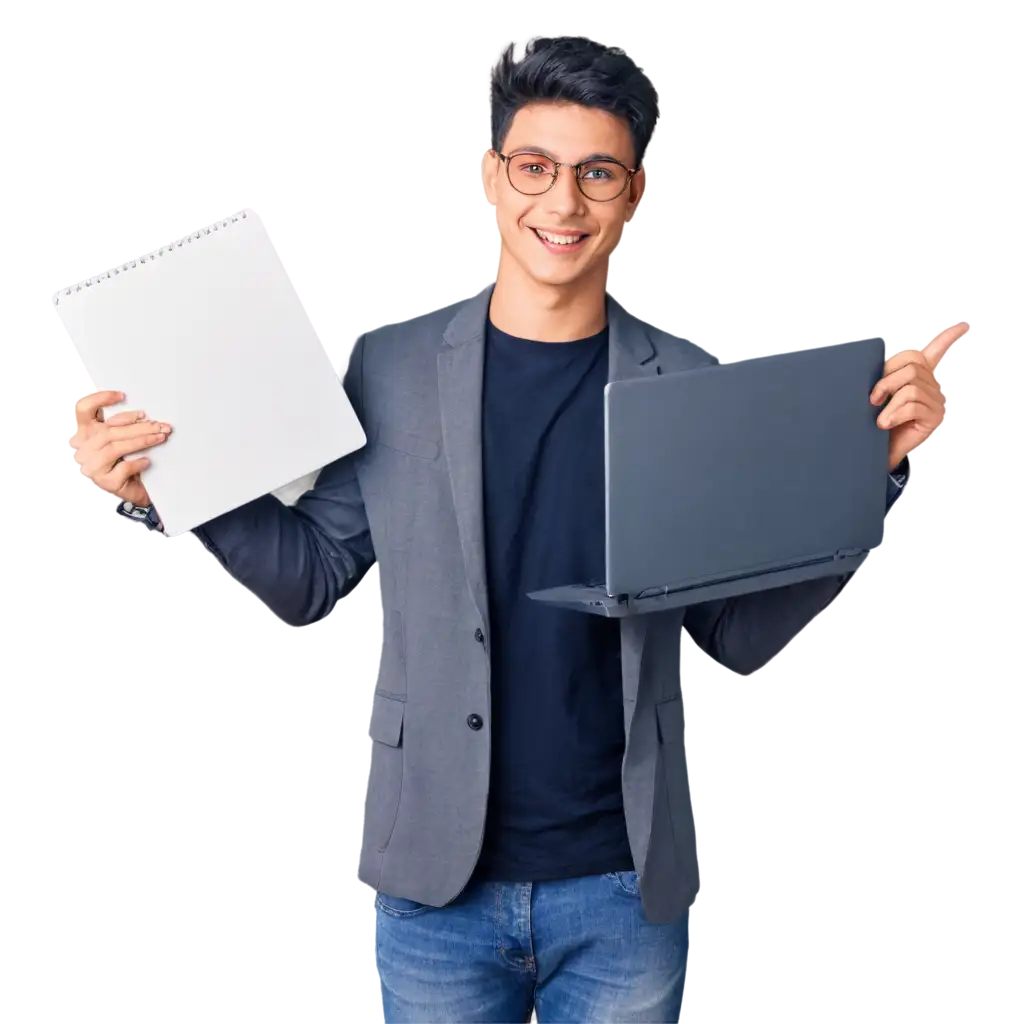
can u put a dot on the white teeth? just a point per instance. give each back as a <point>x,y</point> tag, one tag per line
<point>558,239</point>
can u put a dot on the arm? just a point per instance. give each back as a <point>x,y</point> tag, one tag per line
<point>744,633</point>
<point>301,559</point>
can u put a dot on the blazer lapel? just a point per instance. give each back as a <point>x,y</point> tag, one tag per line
<point>630,351</point>
<point>460,376</point>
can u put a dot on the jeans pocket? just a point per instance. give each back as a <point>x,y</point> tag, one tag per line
<point>399,906</point>
<point>626,881</point>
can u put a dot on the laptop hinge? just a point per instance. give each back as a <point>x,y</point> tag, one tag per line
<point>662,591</point>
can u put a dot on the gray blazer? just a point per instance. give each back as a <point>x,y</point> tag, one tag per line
<point>410,499</point>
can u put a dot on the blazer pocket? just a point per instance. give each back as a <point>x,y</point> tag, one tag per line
<point>405,441</point>
<point>386,720</point>
<point>670,720</point>
<point>675,778</point>
<point>387,770</point>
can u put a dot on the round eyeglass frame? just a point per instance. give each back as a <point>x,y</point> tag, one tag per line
<point>506,160</point>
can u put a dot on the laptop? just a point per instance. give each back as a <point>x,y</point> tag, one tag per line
<point>737,477</point>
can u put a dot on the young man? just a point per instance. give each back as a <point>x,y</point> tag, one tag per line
<point>528,827</point>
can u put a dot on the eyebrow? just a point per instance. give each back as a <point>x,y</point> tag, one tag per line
<point>551,156</point>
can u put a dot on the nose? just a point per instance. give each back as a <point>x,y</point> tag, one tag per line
<point>564,197</point>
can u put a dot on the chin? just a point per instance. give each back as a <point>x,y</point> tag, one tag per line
<point>560,276</point>
<point>550,272</point>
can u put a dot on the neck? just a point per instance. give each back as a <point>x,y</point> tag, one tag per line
<point>527,308</point>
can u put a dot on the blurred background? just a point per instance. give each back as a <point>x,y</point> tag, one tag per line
<point>182,775</point>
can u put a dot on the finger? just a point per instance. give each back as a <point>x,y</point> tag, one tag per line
<point>116,479</point>
<point>98,455</point>
<point>93,431</point>
<point>130,445</point>
<point>904,358</point>
<point>87,409</point>
<point>911,375</point>
<point>939,345</point>
<point>124,471</point>
<point>104,435</point>
<point>909,412</point>
<point>126,432</point>
<point>121,418</point>
<point>905,396</point>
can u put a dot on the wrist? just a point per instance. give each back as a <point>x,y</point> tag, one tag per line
<point>900,473</point>
<point>141,513</point>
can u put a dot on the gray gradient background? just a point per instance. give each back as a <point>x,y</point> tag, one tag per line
<point>177,776</point>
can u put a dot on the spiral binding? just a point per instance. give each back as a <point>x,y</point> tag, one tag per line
<point>170,247</point>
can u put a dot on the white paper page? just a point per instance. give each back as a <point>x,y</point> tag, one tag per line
<point>357,262</point>
<point>208,334</point>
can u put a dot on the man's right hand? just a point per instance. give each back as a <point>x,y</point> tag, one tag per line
<point>99,444</point>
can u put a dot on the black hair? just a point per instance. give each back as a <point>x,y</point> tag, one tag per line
<point>576,70</point>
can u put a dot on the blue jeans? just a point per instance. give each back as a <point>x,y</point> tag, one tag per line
<point>575,950</point>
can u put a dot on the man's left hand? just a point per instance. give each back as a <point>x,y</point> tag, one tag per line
<point>917,405</point>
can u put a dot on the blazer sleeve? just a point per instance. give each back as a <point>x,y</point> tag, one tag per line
<point>745,632</point>
<point>301,559</point>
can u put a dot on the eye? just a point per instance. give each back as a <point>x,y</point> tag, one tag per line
<point>532,165</point>
<point>602,172</point>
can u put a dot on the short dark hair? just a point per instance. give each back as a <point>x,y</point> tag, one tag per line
<point>576,70</point>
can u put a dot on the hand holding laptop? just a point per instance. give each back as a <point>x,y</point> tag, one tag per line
<point>916,403</point>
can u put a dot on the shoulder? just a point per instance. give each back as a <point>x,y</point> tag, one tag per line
<point>680,351</point>
<point>398,361</point>
<point>408,343</point>
<point>395,341</point>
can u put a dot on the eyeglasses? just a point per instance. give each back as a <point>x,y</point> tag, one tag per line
<point>533,174</point>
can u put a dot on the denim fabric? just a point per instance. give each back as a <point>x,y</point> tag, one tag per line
<point>578,949</point>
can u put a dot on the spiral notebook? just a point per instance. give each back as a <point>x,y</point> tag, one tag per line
<point>207,333</point>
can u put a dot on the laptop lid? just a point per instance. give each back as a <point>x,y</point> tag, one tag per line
<point>741,467</point>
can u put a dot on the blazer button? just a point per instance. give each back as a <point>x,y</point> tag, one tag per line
<point>475,721</point>
<point>479,635</point>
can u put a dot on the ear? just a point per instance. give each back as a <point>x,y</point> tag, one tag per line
<point>636,190</point>
<point>490,165</point>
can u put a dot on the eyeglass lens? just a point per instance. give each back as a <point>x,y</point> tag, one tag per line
<point>532,173</point>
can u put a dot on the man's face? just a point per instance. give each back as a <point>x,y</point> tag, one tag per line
<point>571,133</point>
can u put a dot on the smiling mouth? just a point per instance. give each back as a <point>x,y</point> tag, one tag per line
<point>553,242</point>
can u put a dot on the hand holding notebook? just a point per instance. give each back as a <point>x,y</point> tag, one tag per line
<point>212,331</point>
<point>207,333</point>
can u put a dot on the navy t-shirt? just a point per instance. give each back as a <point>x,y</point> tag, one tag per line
<point>555,802</point>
